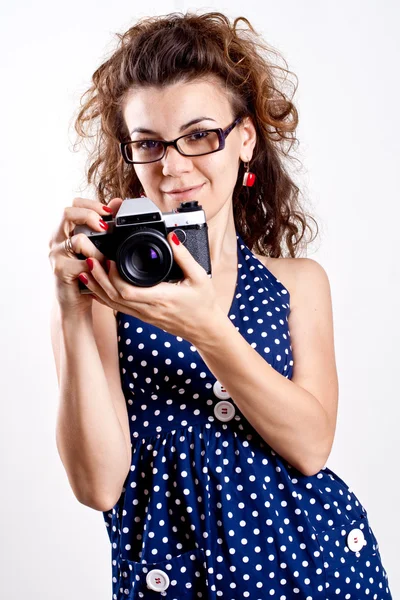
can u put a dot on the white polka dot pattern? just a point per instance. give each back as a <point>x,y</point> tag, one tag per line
<point>207,501</point>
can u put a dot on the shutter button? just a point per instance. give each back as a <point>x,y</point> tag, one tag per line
<point>157,580</point>
<point>355,540</point>
<point>224,411</point>
<point>220,391</point>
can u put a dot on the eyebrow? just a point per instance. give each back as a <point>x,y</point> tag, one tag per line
<point>183,127</point>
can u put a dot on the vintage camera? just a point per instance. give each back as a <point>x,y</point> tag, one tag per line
<point>136,241</point>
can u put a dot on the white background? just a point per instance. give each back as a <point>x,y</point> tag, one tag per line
<point>346,56</point>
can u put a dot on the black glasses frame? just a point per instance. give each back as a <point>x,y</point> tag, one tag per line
<point>222,135</point>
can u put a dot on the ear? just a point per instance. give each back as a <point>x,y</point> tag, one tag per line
<point>249,139</point>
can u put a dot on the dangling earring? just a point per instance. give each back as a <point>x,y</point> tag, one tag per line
<point>248,178</point>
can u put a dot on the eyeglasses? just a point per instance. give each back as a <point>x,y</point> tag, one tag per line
<point>196,143</point>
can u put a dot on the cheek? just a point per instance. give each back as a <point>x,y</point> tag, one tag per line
<point>149,179</point>
<point>141,173</point>
<point>221,169</point>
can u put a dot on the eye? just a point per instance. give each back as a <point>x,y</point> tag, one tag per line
<point>197,134</point>
<point>147,144</point>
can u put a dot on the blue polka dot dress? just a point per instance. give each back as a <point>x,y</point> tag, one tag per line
<point>209,510</point>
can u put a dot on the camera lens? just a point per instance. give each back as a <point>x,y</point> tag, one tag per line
<point>145,258</point>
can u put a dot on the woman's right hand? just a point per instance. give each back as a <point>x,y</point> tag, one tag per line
<point>66,268</point>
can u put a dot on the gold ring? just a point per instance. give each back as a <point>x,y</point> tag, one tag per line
<point>68,247</point>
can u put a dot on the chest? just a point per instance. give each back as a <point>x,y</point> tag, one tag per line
<point>224,283</point>
<point>225,279</point>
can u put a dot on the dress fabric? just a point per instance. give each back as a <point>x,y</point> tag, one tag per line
<point>209,510</point>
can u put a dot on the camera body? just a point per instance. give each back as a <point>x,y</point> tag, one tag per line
<point>136,241</point>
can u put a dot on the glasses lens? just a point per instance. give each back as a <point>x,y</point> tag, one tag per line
<point>199,142</point>
<point>144,151</point>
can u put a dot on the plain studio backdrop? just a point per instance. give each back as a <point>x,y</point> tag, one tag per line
<point>346,57</point>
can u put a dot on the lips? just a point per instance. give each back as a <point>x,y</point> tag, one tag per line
<point>189,194</point>
<point>179,191</point>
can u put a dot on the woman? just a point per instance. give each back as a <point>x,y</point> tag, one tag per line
<point>207,463</point>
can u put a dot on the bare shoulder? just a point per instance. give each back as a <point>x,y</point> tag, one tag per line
<point>282,269</point>
<point>298,275</point>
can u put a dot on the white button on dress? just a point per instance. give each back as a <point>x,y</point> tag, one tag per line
<point>157,580</point>
<point>224,411</point>
<point>355,540</point>
<point>220,391</point>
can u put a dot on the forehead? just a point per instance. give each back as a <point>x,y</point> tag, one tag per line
<point>179,102</point>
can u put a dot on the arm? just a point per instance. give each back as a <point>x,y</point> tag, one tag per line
<point>92,425</point>
<point>296,417</point>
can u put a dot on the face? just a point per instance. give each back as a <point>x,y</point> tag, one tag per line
<point>165,111</point>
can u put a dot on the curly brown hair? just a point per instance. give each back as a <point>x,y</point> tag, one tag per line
<point>163,50</point>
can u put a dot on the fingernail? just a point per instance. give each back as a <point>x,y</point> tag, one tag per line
<point>103,224</point>
<point>83,278</point>
<point>107,209</point>
<point>175,239</point>
<point>90,263</point>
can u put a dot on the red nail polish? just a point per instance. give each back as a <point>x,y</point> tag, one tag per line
<point>107,209</point>
<point>90,263</point>
<point>83,278</point>
<point>103,224</point>
<point>175,239</point>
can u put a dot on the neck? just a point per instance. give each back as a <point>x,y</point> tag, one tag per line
<point>222,236</point>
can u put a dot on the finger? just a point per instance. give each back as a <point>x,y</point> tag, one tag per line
<point>101,282</point>
<point>115,204</point>
<point>190,267</point>
<point>91,284</point>
<point>96,224</point>
<point>66,266</point>
<point>137,309</point>
<point>82,216</point>
<point>138,297</point>
<point>81,244</point>
<point>83,212</point>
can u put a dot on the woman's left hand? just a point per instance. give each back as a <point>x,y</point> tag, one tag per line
<point>183,310</point>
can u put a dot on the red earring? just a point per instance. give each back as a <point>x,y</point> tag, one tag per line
<point>248,178</point>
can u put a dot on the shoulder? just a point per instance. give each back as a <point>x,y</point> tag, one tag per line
<point>301,276</point>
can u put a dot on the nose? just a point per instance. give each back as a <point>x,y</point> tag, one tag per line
<point>174,163</point>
